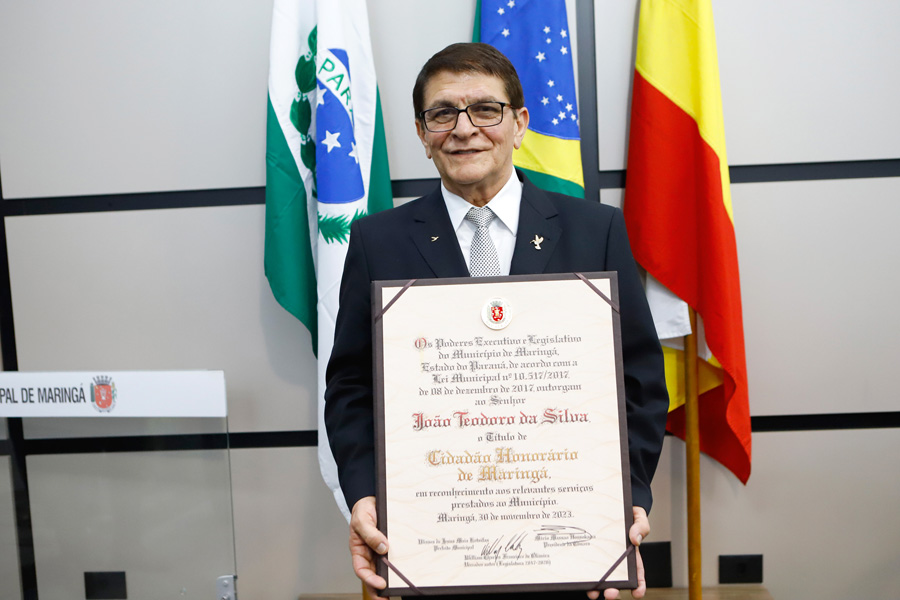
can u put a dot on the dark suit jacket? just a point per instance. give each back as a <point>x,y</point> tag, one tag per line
<point>579,235</point>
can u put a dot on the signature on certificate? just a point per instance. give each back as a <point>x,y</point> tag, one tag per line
<point>505,547</point>
<point>562,535</point>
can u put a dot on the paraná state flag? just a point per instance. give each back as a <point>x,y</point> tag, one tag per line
<point>534,36</point>
<point>326,165</point>
<point>680,220</point>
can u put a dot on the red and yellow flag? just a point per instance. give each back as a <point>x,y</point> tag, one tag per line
<point>679,216</point>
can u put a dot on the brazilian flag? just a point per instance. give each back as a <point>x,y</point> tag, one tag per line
<point>534,35</point>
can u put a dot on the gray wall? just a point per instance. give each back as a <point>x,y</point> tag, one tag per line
<point>106,97</point>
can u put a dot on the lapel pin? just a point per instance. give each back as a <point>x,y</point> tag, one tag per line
<point>434,238</point>
<point>537,241</point>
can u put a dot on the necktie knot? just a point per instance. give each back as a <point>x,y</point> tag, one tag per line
<point>480,215</point>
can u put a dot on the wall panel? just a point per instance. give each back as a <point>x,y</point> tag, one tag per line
<point>427,27</point>
<point>172,96</point>
<point>817,260</point>
<point>162,289</point>
<point>104,97</point>
<point>9,566</point>
<point>291,537</point>
<point>803,81</point>
<point>814,508</point>
<point>162,517</point>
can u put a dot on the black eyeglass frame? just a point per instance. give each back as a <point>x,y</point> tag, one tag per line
<point>503,105</point>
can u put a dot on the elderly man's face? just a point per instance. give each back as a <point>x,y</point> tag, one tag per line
<point>474,162</point>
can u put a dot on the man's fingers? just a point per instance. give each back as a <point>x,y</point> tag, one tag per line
<point>373,538</point>
<point>373,593</point>
<point>364,538</point>
<point>641,589</point>
<point>365,568</point>
<point>363,522</point>
<point>641,527</point>
<point>364,562</point>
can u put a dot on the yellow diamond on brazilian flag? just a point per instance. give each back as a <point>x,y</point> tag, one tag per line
<point>534,35</point>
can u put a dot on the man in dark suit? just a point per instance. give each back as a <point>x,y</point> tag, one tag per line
<point>527,231</point>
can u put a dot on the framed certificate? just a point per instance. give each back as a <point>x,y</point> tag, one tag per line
<point>502,459</point>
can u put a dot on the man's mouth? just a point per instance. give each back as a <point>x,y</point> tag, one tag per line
<point>458,152</point>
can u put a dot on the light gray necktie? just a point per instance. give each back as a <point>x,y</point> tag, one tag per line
<point>483,261</point>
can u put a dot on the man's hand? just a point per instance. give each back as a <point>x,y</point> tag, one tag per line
<point>366,542</point>
<point>639,530</point>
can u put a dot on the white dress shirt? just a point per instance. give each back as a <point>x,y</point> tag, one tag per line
<point>502,229</point>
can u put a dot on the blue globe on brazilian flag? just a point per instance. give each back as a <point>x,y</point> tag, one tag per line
<point>534,35</point>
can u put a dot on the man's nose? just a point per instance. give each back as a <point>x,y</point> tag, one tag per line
<point>464,125</point>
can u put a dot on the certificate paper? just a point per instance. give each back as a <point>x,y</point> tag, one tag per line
<point>502,448</point>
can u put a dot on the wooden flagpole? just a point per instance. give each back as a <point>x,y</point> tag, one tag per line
<point>692,459</point>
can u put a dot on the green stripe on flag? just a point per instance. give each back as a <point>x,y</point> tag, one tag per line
<point>553,184</point>
<point>288,253</point>
<point>381,197</point>
<point>476,30</point>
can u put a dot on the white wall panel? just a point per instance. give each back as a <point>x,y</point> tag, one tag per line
<point>103,97</point>
<point>291,537</point>
<point>664,504</point>
<point>817,261</point>
<point>802,81</point>
<point>809,80</point>
<point>162,517</point>
<point>119,98</point>
<point>162,289</point>
<point>9,550</point>
<point>613,197</point>
<point>56,428</point>
<point>817,507</point>
<point>818,276</point>
<point>615,31</point>
<point>406,33</point>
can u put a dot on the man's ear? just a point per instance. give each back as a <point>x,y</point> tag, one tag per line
<point>420,131</point>
<point>522,118</point>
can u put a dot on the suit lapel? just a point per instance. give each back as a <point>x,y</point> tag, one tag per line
<point>538,232</point>
<point>433,235</point>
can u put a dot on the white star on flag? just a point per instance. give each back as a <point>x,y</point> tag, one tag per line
<point>354,155</point>
<point>320,96</point>
<point>545,101</point>
<point>564,50</point>
<point>562,114</point>
<point>546,30</point>
<point>555,122</point>
<point>500,11</point>
<point>550,83</point>
<point>549,40</point>
<point>331,140</point>
<point>540,57</point>
<point>569,106</point>
<point>511,3</point>
<point>563,33</point>
<point>559,97</point>
<point>573,117</point>
<point>505,32</point>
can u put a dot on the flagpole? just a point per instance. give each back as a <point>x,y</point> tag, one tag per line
<point>692,459</point>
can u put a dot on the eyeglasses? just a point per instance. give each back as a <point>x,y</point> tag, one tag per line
<point>481,114</point>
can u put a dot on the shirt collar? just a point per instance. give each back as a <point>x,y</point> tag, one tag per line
<point>505,204</point>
